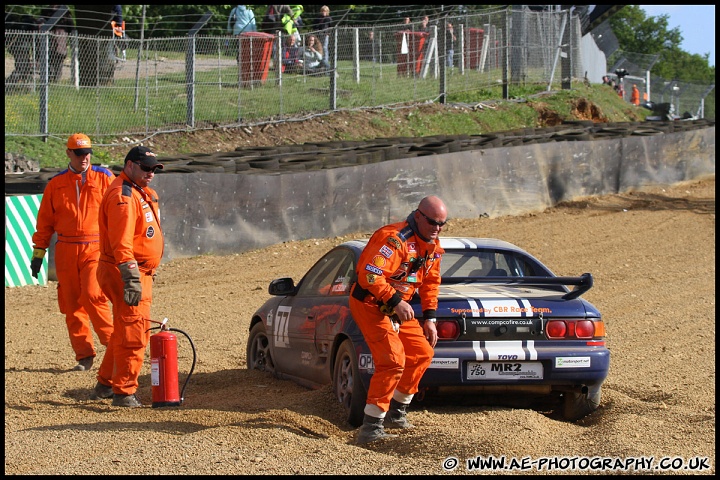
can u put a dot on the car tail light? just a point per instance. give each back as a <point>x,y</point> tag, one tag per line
<point>582,329</point>
<point>447,330</point>
<point>556,329</point>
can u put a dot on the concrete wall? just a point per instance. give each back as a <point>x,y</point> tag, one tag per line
<point>221,213</point>
<point>594,61</point>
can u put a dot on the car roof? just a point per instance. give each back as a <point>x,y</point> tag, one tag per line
<point>455,243</point>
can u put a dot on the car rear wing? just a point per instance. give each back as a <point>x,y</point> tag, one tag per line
<point>582,284</point>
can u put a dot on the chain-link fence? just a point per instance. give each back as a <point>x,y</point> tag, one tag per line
<point>107,86</point>
<point>671,97</point>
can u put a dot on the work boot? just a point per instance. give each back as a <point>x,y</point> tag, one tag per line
<point>126,401</point>
<point>101,391</point>
<point>371,430</point>
<point>84,364</point>
<point>397,416</point>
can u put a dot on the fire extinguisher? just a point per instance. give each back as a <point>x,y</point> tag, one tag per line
<point>164,366</point>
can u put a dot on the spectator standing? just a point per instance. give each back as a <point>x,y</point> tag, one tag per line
<point>69,207</point>
<point>131,246</point>
<point>450,39</point>
<point>271,20</point>
<point>620,89</point>
<point>325,27</point>
<point>19,43</point>
<point>370,51</point>
<point>241,19</point>
<point>118,27</point>
<point>57,46</point>
<point>635,95</point>
<point>425,28</point>
<point>292,21</point>
<point>399,260</point>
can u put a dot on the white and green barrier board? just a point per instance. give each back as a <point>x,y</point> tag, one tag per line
<point>20,219</point>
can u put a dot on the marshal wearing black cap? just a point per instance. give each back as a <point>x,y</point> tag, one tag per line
<point>143,156</point>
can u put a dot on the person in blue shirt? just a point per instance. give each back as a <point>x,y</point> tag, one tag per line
<point>241,20</point>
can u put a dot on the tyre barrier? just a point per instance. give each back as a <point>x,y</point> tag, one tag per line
<point>271,160</point>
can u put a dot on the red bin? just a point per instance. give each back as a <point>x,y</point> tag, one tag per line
<point>411,51</point>
<point>255,54</point>
<point>474,48</point>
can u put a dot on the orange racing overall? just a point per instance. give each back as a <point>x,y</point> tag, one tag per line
<point>129,230</point>
<point>395,263</point>
<point>70,207</point>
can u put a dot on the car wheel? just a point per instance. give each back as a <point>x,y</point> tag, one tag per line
<point>576,405</point>
<point>258,350</point>
<point>347,386</point>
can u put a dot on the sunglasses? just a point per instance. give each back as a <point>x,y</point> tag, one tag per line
<point>432,222</point>
<point>144,168</point>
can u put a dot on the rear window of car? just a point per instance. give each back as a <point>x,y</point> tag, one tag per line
<point>488,264</point>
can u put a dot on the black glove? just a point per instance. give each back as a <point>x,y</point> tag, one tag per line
<point>37,261</point>
<point>131,277</point>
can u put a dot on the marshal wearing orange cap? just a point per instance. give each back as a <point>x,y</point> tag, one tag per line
<point>69,207</point>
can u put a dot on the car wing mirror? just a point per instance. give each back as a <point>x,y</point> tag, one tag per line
<point>282,286</point>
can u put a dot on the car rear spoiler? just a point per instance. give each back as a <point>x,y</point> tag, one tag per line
<point>582,284</point>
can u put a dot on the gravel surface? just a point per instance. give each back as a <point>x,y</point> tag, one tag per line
<point>651,251</point>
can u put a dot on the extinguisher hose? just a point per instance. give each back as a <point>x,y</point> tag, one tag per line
<point>192,368</point>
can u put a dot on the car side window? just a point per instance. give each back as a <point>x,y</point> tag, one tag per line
<point>344,278</point>
<point>329,275</point>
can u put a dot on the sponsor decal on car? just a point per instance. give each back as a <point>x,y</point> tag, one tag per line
<point>505,350</point>
<point>572,362</point>
<point>445,363</point>
<point>280,332</point>
<point>365,362</point>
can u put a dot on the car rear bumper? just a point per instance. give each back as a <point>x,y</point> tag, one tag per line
<point>562,364</point>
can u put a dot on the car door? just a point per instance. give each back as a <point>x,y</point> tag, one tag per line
<point>315,300</point>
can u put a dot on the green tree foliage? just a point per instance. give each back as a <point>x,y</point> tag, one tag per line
<point>638,33</point>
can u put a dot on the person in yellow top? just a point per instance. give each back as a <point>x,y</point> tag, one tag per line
<point>131,246</point>
<point>69,207</point>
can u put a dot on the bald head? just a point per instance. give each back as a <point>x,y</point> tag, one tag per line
<point>433,207</point>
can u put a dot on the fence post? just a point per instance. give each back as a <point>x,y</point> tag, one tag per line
<point>443,61</point>
<point>506,63</point>
<point>44,66</point>
<point>190,68</point>
<point>356,54</point>
<point>334,74</point>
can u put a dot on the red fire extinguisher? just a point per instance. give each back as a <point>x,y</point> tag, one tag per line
<point>164,367</point>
